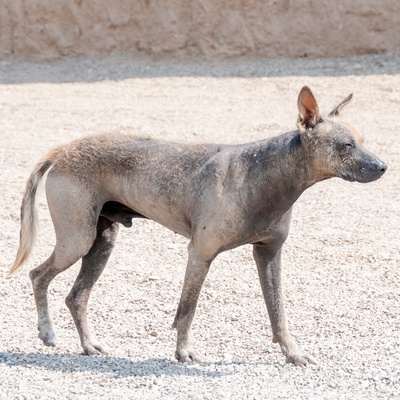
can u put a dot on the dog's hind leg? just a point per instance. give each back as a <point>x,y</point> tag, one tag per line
<point>93,265</point>
<point>66,253</point>
<point>75,228</point>
<point>196,272</point>
<point>40,281</point>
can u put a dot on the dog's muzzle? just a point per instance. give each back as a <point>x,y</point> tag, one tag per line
<point>373,170</point>
<point>367,172</point>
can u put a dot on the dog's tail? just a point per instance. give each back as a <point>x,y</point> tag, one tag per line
<point>29,219</point>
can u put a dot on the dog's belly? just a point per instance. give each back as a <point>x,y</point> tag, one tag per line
<point>164,214</point>
<point>176,224</point>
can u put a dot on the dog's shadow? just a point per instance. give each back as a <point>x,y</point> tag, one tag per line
<point>119,367</point>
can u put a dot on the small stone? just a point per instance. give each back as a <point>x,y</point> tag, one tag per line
<point>228,357</point>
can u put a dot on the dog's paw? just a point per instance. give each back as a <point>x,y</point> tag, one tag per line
<point>47,336</point>
<point>188,356</point>
<point>96,349</point>
<point>301,360</point>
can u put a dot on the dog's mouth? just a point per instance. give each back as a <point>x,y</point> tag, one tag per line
<point>364,174</point>
<point>349,176</point>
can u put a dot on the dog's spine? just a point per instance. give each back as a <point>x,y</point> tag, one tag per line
<point>29,219</point>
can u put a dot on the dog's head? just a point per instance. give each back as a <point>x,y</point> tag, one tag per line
<point>335,148</point>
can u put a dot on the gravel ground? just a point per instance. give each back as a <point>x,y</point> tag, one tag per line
<point>340,262</point>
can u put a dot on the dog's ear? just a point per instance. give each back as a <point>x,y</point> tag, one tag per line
<point>309,114</point>
<point>338,109</point>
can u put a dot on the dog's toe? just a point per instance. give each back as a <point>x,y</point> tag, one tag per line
<point>48,338</point>
<point>103,349</point>
<point>96,349</point>
<point>301,360</point>
<point>49,342</point>
<point>188,356</point>
<point>91,351</point>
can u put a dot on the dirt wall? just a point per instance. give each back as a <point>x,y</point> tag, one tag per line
<point>206,28</point>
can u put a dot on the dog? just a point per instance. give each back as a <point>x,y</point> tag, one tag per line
<point>218,196</point>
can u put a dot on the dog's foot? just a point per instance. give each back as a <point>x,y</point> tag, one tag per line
<point>294,354</point>
<point>47,336</point>
<point>187,355</point>
<point>96,349</point>
<point>301,360</point>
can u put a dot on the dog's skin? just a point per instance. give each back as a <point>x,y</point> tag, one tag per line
<point>218,196</point>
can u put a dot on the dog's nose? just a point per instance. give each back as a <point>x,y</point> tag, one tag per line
<point>380,166</point>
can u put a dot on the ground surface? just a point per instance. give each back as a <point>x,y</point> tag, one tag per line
<point>341,261</point>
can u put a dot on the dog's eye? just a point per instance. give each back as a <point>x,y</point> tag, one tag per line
<point>349,144</point>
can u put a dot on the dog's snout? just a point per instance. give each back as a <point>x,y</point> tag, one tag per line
<point>372,170</point>
<point>380,166</point>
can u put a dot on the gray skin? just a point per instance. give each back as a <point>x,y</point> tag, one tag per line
<point>217,196</point>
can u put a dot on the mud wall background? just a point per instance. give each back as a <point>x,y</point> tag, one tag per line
<point>207,28</point>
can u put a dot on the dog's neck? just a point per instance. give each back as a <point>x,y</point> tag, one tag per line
<point>282,171</point>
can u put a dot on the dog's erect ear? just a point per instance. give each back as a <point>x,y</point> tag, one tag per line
<point>338,109</point>
<point>309,114</point>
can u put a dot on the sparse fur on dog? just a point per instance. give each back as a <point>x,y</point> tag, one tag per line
<point>217,196</point>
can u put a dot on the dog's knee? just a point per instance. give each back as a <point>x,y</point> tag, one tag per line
<point>70,302</point>
<point>78,296</point>
<point>32,275</point>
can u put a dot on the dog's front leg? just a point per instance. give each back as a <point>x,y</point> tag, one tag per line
<point>269,270</point>
<point>196,272</point>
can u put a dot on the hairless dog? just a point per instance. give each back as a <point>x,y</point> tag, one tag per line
<point>218,196</point>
